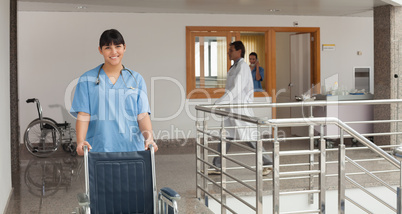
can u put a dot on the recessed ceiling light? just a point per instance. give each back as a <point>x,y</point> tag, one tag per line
<point>274,10</point>
<point>81,7</point>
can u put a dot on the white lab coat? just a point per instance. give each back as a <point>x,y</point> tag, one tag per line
<point>239,89</point>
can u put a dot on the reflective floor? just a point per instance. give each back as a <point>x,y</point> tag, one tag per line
<point>50,185</point>
<point>47,185</point>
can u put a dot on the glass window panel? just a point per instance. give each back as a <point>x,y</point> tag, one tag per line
<point>197,59</point>
<point>214,58</point>
<point>206,59</point>
<point>210,61</point>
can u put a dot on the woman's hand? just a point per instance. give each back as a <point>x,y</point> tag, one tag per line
<point>147,143</point>
<point>80,147</point>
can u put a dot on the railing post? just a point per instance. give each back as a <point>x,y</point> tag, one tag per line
<point>198,153</point>
<point>322,166</point>
<point>223,167</point>
<point>311,160</point>
<point>275,173</point>
<point>259,163</point>
<point>205,158</point>
<point>341,175</point>
<point>398,193</point>
<point>398,200</point>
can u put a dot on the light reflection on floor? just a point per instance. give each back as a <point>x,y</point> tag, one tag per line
<point>47,185</point>
<point>50,185</point>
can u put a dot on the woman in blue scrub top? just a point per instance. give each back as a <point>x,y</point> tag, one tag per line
<point>111,103</point>
<point>256,71</point>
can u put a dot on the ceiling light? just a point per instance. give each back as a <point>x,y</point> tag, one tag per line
<point>81,7</point>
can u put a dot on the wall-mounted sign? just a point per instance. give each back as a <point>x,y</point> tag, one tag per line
<point>328,47</point>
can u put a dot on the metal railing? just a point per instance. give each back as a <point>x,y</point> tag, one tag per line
<point>208,136</point>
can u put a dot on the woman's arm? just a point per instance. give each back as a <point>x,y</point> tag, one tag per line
<point>145,125</point>
<point>81,127</point>
<point>257,73</point>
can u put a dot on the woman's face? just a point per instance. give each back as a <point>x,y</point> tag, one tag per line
<point>252,59</point>
<point>113,54</point>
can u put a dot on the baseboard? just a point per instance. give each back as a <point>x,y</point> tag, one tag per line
<point>182,142</point>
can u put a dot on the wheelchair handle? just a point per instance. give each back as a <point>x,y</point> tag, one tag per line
<point>151,147</point>
<point>86,170</point>
<point>31,100</point>
<point>38,106</point>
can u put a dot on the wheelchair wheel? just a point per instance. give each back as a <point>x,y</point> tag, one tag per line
<point>69,143</point>
<point>70,147</point>
<point>42,138</point>
<point>43,178</point>
<point>45,118</point>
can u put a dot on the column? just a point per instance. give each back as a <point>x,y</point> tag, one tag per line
<point>387,67</point>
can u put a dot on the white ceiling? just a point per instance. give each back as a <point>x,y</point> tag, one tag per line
<point>285,7</point>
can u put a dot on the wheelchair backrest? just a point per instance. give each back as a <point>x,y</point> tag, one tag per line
<point>121,182</point>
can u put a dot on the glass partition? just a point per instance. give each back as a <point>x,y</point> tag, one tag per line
<point>210,61</point>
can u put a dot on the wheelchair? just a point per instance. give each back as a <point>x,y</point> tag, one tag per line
<point>44,135</point>
<point>123,182</point>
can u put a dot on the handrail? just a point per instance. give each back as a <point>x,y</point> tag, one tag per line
<point>303,104</point>
<point>370,193</point>
<point>339,123</point>
<point>315,120</point>
<point>257,123</point>
<point>227,113</point>
<point>370,174</point>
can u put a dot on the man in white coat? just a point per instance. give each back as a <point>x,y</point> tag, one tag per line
<point>239,89</point>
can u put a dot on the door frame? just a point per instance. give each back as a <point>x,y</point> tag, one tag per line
<point>315,60</point>
<point>270,56</point>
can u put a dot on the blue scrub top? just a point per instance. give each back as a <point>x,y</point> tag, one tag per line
<point>257,83</point>
<point>113,108</point>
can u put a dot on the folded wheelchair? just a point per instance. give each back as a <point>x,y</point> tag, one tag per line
<point>123,182</point>
<point>44,135</point>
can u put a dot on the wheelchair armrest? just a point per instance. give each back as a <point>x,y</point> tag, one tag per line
<point>83,199</point>
<point>170,194</point>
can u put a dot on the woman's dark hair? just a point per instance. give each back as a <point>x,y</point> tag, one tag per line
<point>111,36</point>
<point>253,54</point>
<point>238,45</point>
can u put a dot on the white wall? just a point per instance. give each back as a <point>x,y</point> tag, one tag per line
<point>56,48</point>
<point>5,158</point>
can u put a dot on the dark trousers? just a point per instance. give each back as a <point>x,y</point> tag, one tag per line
<point>266,159</point>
